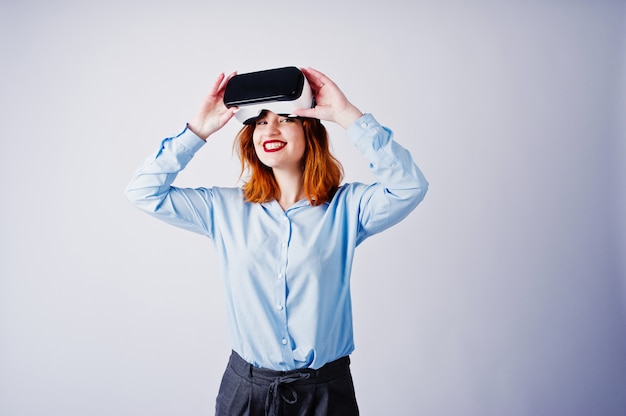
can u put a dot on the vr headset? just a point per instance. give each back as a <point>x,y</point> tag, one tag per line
<point>279,90</point>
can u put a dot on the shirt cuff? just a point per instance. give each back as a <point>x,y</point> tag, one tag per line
<point>368,134</point>
<point>363,124</point>
<point>189,139</point>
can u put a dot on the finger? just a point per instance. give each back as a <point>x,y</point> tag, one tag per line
<point>318,78</point>
<point>216,84</point>
<point>227,115</point>
<point>225,81</point>
<point>309,75</point>
<point>314,80</point>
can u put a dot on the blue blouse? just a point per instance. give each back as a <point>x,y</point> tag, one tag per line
<point>286,274</point>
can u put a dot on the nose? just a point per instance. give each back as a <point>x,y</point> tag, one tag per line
<point>272,127</point>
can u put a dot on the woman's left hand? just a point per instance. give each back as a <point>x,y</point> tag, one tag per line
<point>330,102</point>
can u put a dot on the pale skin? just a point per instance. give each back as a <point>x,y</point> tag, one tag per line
<point>279,141</point>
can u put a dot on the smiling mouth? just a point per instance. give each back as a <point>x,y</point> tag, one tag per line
<point>273,146</point>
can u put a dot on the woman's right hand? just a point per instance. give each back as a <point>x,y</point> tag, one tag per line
<point>213,114</point>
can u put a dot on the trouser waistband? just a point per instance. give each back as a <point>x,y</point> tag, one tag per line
<point>279,383</point>
<point>325,373</point>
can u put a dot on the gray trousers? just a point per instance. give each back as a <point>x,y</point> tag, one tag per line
<point>250,391</point>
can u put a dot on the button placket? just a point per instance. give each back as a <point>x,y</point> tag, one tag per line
<point>280,292</point>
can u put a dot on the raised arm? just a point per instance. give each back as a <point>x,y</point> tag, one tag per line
<point>151,187</point>
<point>400,185</point>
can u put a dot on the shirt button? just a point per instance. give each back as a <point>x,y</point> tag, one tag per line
<point>279,307</point>
<point>283,245</point>
<point>283,341</point>
<point>279,275</point>
<point>364,124</point>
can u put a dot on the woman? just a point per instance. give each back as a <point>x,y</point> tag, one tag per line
<point>286,241</point>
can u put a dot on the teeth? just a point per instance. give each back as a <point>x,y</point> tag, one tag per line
<point>273,145</point>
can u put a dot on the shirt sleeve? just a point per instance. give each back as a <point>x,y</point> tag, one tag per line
<point>150,188</point>
<point>401,186</point>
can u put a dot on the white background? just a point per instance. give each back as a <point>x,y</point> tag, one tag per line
<point>502,294</point>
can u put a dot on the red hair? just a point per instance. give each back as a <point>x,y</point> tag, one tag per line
<point>321,171</point>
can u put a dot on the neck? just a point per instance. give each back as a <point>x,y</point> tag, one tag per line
<point>291,188</point>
